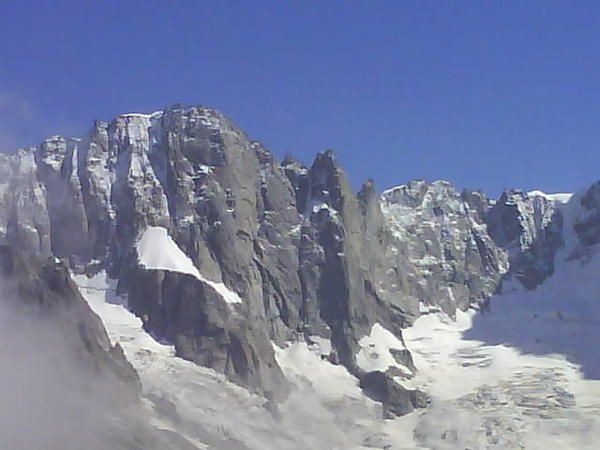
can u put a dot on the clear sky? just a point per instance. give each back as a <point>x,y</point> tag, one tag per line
<point>485,94</point>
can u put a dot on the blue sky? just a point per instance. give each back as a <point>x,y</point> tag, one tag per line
<point>485,94</point>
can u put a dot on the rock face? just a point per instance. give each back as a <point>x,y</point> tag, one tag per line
<point>529,227</point>
<point>58,163</point>
<point>191,314</point>
<point>396,400</point>
<point>444,235</point>
<point>26,223</point>
<point>338,302</point>
<point>588,226</point>
<point>307,256</point>
<point>44,289</point>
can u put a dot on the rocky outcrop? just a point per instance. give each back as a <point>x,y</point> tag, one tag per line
<point>443,236</point>
<point>588,225</point>
<point>344,268</point>
<point>43,289</point>
<point>331,246</point>
<point>396,399</point>
<point>27,224</point>
<point>206,330</point>
<point>529,228</point>
<point>58,163</point>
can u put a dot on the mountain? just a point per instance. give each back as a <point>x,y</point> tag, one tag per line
<point>264,272</point>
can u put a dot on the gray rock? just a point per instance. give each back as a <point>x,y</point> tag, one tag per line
<point>530,229</point>
<point>588,226</point>
<point>396,399</point>
<point>27,222</point>
<point>441,235</point>
<point>188,312</point>
<point>58,165</point>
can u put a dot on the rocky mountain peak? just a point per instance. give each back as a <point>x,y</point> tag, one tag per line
<point>308,258</point>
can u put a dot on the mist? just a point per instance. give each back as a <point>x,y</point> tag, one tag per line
<point>51,397</point>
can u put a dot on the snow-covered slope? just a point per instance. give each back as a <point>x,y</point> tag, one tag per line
<point>325,410</point>
<point>563,314</point>
<point>493,395</point>
<point>526,372</point>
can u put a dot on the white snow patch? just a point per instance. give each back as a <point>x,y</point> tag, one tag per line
<point>559,197</point>
<point>228,295</point>
<point>327,379</point>
<point>154,115</point>
<point>321,345</point>
<point>375,350</point>
<point>318,206</point>
<point>157,250</point>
